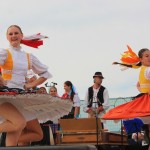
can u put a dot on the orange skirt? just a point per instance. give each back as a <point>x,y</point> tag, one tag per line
<point>139,107</point>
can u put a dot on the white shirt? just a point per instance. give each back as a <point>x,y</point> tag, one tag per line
<point>20,66</point>
<point>147,73</point>
<point>95,105</point>
<point>76,101</point>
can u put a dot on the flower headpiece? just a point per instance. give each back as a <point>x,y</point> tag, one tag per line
<point>129,59</point>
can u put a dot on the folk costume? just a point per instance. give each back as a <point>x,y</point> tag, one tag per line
<point>75,103</point>
<point>15,63</point>
<point>96,98</point>
<point>140,105</point>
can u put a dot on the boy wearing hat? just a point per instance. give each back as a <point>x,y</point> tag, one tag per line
<point>97,98</point>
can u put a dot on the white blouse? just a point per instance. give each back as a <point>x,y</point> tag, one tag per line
<point>147,73</point>
<point>20,66</point>
<point>76,101</point>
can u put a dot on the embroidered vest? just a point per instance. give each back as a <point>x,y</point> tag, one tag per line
<point>100,98</point>
<point>8,66</point>
<point>144,83</point>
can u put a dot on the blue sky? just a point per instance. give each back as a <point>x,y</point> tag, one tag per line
<point>85,36</point>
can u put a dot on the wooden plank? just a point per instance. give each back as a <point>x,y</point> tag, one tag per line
<point>104,137</point>
<point>80,131</point>
<point>114,137</point>
<point>76,138</point>
<point>81,124</point>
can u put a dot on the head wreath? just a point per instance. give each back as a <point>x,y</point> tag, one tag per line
<point>129,59</point>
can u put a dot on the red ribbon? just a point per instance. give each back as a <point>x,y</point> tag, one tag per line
<point>32,43</point>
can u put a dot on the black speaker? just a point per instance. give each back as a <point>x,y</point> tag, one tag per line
<point>67,147</point>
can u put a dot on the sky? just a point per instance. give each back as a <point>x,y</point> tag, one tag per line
<point>85,36</point>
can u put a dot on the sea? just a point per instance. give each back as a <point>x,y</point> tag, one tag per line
<point>111,125</point>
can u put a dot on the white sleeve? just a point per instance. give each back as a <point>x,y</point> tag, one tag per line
<point>85,108</point>
<point>39,68</point>
<point>106,99</point>
<point>3,56</point>
<point>147,73</point>
<point>76,100</point>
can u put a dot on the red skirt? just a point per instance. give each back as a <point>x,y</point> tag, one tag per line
<point>139,107</point>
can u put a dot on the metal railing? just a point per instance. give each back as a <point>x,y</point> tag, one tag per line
<point>111,125</point>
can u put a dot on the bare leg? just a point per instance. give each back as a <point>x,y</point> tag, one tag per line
<point>13,125</point>
<point>12,138</point>
<point>31,133</point>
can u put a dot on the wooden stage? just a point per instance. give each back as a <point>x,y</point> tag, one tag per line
<point>83,134</point>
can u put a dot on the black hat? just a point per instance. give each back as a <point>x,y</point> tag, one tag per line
<point>98,74</point>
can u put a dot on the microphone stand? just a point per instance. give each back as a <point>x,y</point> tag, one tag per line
<point>96,117</point>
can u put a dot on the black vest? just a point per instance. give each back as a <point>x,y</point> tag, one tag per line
<point>100,98</point>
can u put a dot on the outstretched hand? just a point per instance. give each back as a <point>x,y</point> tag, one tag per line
<point>28,86</point>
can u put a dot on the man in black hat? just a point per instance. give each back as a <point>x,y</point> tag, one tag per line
<point>97,98</point>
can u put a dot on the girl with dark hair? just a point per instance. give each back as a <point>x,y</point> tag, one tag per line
<point>70,93</point>
<point>140,105</point>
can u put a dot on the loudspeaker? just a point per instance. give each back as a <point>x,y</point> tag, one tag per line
<point>70,147</point>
